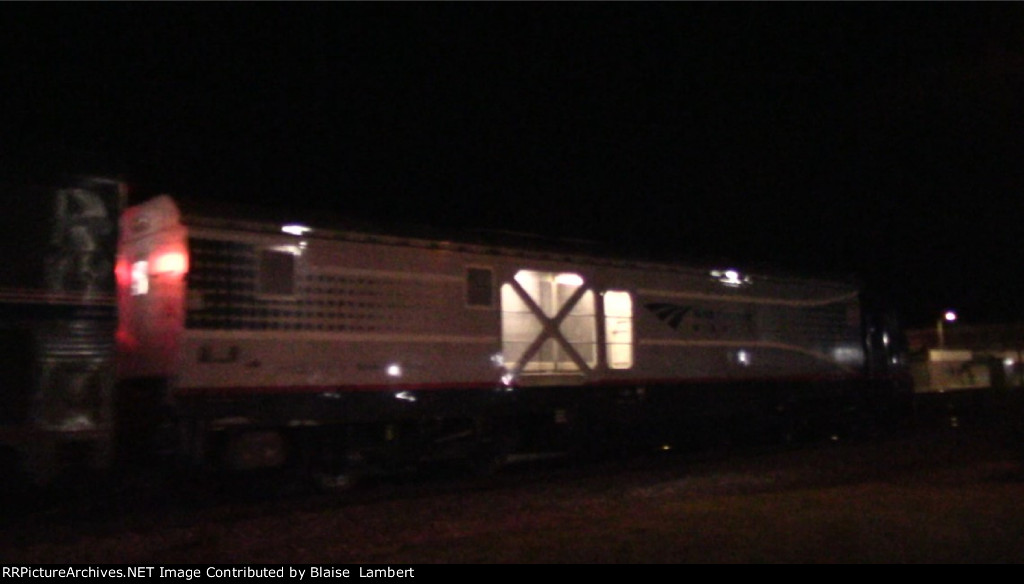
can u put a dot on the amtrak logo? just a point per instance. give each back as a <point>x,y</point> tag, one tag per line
<point>697,318</point>
<point>671,314</point>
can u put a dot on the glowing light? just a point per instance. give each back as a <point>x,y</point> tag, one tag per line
<point>295,250</point>
<point>406,396</point>
<point>949,316</point>
<point>174,262</point>
<point>848,354</point>
<point>743,357</point>
<point>618,323</point>
<point>123,273</point>
<point>140,278</point>
<point>618,303</point>
<point>394,370</point>
<point>1008,362</point>
<point>525,278</point>
<point>296,229</point>
<point>730,277</point>
<point>498,360</point>
<point>528,279</point>
<point>569,279</point>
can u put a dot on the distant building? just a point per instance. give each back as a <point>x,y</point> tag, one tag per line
<point>956,356</point>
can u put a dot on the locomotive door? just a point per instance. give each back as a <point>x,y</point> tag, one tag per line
<point>548,323</point>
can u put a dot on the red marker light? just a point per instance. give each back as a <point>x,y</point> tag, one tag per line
<point>123,273</point>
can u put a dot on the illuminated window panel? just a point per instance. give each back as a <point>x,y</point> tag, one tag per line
<point>575,340</point>
<point>618,329</point>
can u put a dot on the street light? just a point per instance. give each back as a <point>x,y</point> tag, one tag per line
<point>948,316</point>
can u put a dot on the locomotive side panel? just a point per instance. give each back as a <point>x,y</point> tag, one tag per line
<point>346,347</point>
<point>331,314</point>
<point>663,324</point>
<point>768,330</point>
<point>315,351</point>
<point>681,352</point>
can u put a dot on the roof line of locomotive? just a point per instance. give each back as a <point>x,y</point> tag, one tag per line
<point>265,220</point>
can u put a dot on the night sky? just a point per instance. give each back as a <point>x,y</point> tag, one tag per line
<point>879,140</point>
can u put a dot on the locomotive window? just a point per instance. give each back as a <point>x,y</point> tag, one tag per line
<point>618,329</point>
<point>277,273</point>
<point>479,287</point>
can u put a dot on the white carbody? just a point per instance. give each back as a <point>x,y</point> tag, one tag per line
<point>299,310</point>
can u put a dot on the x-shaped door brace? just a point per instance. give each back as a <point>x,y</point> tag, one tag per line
<point>551,326</point>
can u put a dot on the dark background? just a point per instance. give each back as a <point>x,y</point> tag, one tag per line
<point>881,140</point>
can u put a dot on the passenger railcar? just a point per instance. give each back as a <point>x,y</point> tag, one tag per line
<point>252,344</point>
<point>57,322</point>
